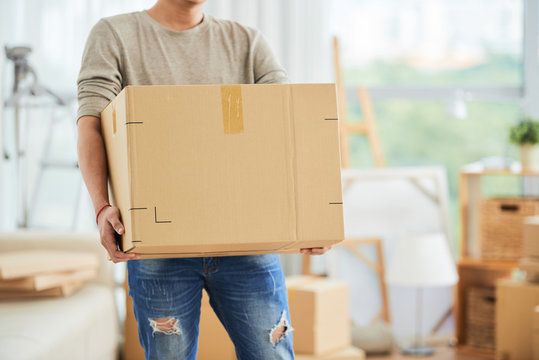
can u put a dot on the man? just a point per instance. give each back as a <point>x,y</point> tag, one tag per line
<point>175,43</point>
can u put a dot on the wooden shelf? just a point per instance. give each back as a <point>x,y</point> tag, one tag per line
<point>476,169</point>
<point>474,271</point>
<point>481,353</point>
<point>478,263</point>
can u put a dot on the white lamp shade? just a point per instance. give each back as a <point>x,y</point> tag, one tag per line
<point>422,261</point>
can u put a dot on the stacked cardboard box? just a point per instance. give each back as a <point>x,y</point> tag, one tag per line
<point>530,261</point>
<point>44,273</point>
<point>535,339</point>
<point>515,312</point>
<point>319,316</point>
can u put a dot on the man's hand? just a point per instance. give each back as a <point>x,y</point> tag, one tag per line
<point>109,225</point>
<point>315,251</point>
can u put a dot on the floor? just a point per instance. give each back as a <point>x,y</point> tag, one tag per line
<point>441,353</point>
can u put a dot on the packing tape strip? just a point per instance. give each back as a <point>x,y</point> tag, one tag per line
<point>232,108</point>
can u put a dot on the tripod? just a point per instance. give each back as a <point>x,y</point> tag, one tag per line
<point>23,88</point>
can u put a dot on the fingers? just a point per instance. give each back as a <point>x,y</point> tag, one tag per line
<point>114,219</point>
<point>120,256</point>
<point>315,251</point>
<point>109,226</point>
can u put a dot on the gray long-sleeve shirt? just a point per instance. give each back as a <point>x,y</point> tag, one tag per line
<point>134,49</point>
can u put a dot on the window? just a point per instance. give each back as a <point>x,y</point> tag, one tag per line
<point>445,76</point>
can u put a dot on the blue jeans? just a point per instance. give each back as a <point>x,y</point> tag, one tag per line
<point>247,293</point>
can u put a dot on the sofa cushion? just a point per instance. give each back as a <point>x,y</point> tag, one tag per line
<point>81,326</point>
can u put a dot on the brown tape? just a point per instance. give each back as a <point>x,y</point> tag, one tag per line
<point>232,108</point>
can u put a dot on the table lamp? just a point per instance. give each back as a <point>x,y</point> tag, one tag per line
<point>421,261</point>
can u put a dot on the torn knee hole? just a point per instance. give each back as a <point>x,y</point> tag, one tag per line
<point>168,326</point>
<point>280,330</point>
<point>278,333</point>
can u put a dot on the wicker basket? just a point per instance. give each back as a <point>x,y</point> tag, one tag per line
<point>502,226</point>
<point>480,318</point>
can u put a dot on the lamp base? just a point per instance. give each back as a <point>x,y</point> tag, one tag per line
<point>418,350</point>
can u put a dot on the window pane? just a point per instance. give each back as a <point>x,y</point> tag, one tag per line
<point>424,133</point>
<point>430,42</point>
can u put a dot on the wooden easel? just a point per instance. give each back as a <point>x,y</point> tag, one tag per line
<point>378,267</point>
<point>367,127</point>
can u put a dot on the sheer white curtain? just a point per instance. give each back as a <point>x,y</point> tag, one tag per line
<point>297,30</point>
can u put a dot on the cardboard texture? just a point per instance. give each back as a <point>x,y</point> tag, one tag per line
<point>531,266</point>
<point>28,263</point>
<point>65,289</point>
<point>535,339</point>
<point>225,170</point>
<point>531,237</point>
<point>213,340</point>
<point>515,305</point>
<point>350,353</point>
<point>132,350</point>
<point>319,314</point>
<point>41,282</point>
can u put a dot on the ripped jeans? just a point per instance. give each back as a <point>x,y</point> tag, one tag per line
<point>247,293</point>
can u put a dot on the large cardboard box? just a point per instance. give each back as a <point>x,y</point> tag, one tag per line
<point>225,169</point>
<point>515,305</point>
<point>319,314</point>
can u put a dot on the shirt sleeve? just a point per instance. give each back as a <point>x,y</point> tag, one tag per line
<point>267,69</point>
<point>100,77</point>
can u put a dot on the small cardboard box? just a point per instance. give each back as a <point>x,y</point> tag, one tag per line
<point>515,305</point>
<point>350,353</point>
<point>319,314</point>
<point>204,170</point>
<point>531,237</point>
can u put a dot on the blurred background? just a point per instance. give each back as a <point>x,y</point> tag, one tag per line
<point>447,79</point>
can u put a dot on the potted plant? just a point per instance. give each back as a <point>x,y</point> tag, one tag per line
<point>526,135</point>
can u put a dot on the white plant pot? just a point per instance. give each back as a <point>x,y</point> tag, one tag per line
<point>529,157</point>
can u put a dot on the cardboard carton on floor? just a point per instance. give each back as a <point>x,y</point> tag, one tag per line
<point>225,169</point>
<point>531,237</point>
<point>319,314</point>
<point>515,305</point>
<point>535,339</point>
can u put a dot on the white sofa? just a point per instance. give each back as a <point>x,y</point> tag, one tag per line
<point>81,326</point>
